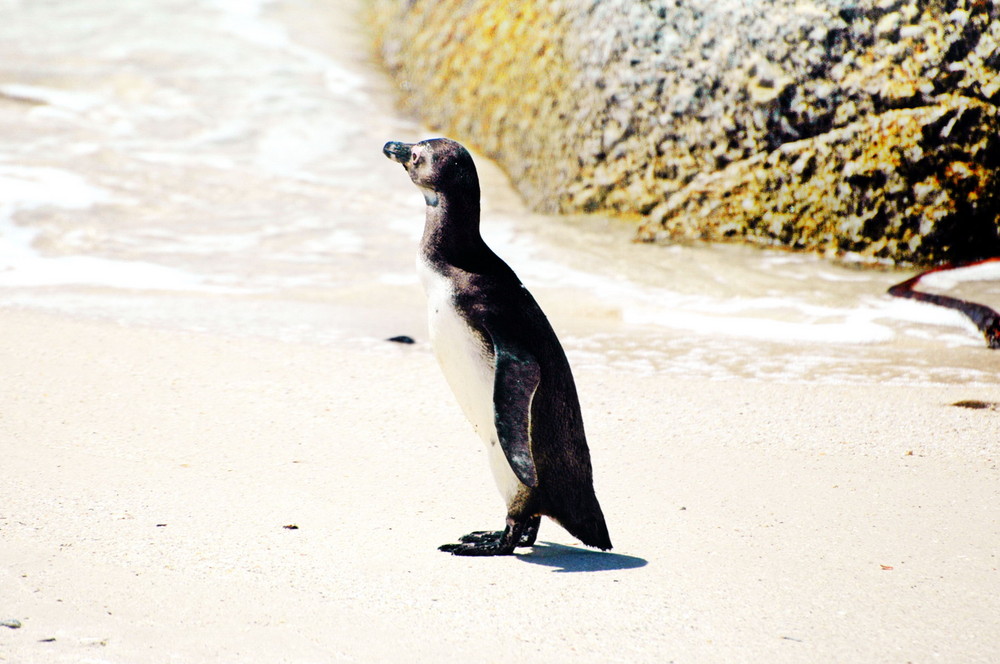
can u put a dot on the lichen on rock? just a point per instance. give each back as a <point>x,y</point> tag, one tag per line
<point>865,127</point>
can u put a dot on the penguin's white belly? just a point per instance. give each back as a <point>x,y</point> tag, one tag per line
<point>468,366</point>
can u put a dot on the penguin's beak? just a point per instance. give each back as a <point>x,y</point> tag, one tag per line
<point>399,152</point>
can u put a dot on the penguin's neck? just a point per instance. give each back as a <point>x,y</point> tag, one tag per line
<point>451,232</point>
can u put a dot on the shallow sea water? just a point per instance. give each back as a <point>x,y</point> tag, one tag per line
<point>216,166</point>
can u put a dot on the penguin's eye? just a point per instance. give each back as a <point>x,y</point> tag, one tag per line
<point>417,159</point>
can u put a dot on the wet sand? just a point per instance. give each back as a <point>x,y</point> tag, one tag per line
<point>150,476</point>
<point>193,308</point>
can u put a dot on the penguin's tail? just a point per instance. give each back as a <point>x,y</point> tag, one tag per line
<point>591,530</point>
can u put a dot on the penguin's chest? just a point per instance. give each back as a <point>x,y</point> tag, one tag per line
<point>467,362</point>
<point>465,358</point>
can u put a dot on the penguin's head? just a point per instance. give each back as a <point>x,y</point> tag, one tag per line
<point>437,165</point>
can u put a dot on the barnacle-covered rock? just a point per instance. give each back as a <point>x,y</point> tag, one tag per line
<point>867,127</point>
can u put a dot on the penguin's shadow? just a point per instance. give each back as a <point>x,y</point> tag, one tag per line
<point>571,559</point>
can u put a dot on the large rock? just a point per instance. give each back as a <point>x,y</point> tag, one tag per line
<point>863,127</point>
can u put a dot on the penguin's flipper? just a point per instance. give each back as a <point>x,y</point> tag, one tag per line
<point>514,384</point>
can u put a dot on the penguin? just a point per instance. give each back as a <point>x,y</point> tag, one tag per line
<point>503,361</point>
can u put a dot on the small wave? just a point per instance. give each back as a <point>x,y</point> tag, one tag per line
<point>21,265</point>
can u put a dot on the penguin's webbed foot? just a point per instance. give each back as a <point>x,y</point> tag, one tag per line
<point>488,548</point>
<point>481,537</point>
<point>496,542</point>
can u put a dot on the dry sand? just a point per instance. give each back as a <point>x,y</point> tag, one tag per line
<point>148,477</point>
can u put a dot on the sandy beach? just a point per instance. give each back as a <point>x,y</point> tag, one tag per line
<point>210,454</point>
<point>150,476</point>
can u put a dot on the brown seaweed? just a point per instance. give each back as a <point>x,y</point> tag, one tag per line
<point>985,318</point>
